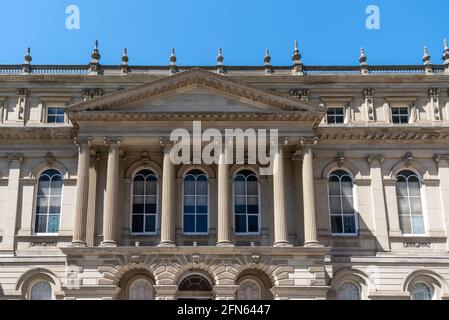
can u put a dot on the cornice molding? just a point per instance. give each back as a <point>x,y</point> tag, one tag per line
<point>9,133</point>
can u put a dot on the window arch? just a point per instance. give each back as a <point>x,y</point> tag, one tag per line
<point>249,290</point>
<point>408,192</point>
<point>246,203</point>
<point>341,203</point>
<point>349,291</point>
<point>141,289</point>
<point>421,291</point>
<point>196,202</point>
<point>48,202</point>
<point>41,291</point>
<point>144,202</point>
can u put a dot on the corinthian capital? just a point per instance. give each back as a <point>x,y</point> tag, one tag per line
<point>308,142</point>
<point>112,141</point>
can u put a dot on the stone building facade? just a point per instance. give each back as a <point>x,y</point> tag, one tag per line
<point>92,207</point>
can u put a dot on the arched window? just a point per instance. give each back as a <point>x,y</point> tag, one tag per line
<point>246,202</point>
<point>144,202</point>
<point>408,190</point>
<point>348,291</point>
<point>41,291</point>
<point>249,290</point>
<point>421,291</point>
<point>48,204</point>
<point>341,203</point>
<point>196,202</point>
<point>141,289</point>
<point>195,283</point>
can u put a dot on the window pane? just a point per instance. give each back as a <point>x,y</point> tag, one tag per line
<point>201,204</point>
<point>137,223</point>
<point>415,206</point>
<point>201,185</point>
<point>401,187</point>
<point>334,186</point>
<point>201,223</point>
<point>337,224</point>
<point>348,291</point>
<point>189,223</point>
<point>41,224</point>
<point>349,224</point>
<point>418,224</point>
<point>421,292</point>
<point>151,186</point>
<point>346,186</point>
<point>240,223</point>
<point>253,223</point>
<point>53,223</point>
<point>405,224</point>
<point>249,290</point>
<point>335,205</point>
<point>403,207</point>
<point>150,223</point>
<point>239,185</point>
<point>138,188</point>
<point>41,291</point>
<point>348,205</point>
<point>253,186</point>
<point>138,204</point>
<point>55,205</point>
<point>414,187</point>
<point>56,186</point>
<point>189,185</point>
<point>44,186</point>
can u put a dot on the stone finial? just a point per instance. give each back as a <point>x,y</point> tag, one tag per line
<point>95,55</point>
<point>220,59</point>
<point>28,57</point>
<point>363,58</point>
<point>446,56</point>
<point>363,61</point>
<point>296,59</point>
<point>125,58</point>
<point>267,58</point>
<point>426,56</point>
<point>173,59</point>
<point>27,61</point>
<point>94,64</point>
<point>267,62</point>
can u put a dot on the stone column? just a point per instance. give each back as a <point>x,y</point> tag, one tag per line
<point>280,219</point>
<point>92,201</point>
<point>168,205</point>
<point>82,194</point>
<point>308,186</point>
<point>443,174</point>
<point>379,203</point>
<point>110,202</point>
<point>224,217</point>
<point>12,203</point>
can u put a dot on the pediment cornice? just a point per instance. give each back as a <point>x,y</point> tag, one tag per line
<point>199,78</point>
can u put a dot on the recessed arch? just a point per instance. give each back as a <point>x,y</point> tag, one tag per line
<point>142,165</point>
<point>42,166</point>
<point>354,276</point>
<point>350,168</point>
<point>428,277</point>
<point>255,284</point>
<point>414,166</point>
<point>236,168</point>
<point>128,277</point>
<point>33,276</point>
<point>185,169</point>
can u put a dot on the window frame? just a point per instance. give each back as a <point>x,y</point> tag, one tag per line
<point>343,115</point>
<point>36,195</point>
<point>259,202</point>
<point>155,233</point>
<point>34,283</point>
<point>357,285</point>
<point>135,279</point>
<point>250,279</point>
<point>431,290</point>
<point>47,108</point>
<point>423,204</point>
<point>399,115</point>
<point>208,203</point>
<point>354,200</point>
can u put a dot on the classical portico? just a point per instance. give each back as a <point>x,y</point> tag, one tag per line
<point>125,120</point>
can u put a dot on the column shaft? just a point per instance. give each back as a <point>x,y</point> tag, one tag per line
<point>280,219</point>
<point>224,236</point>
<point>82,194</point>
<point>168,182</point>
<point>310,227</point>
<point>110,206</point>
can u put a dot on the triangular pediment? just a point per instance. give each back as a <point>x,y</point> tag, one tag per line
<point>195,91</point>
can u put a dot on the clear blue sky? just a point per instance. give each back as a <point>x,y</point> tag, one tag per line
<point>329,32</point>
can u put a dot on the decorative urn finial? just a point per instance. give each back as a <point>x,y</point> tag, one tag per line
<point>220,59</point>
<point>95,53</point>
<point>28,57</point>
<point>446,55</point>
<point>297,63</point>
<point>363,58</point>
<point>125,58</point>
<point>426,56</point>
<point>173,59</point>
<point>267,62</point>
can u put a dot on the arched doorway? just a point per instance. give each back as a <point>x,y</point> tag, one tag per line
<point>195,286</point>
